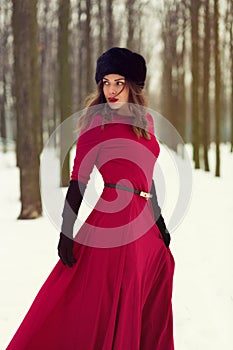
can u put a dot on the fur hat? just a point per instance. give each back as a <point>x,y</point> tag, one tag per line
<point>124,62</point>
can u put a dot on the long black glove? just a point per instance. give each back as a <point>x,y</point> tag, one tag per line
<point>73,201</point>
<point>158,216</point>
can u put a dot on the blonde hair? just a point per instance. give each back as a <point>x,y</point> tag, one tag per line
<point>137,106</point>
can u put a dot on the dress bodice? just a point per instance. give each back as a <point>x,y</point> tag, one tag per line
<point>117,152</point>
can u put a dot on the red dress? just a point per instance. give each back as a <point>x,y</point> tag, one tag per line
<point>118,295</point>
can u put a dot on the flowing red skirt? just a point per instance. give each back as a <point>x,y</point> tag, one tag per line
<point>113,298</point>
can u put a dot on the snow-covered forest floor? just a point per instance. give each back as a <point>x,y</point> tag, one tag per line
<point>202,247</point>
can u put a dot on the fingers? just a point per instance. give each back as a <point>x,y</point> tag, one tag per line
<point>70,260</point>
<point>167,238</point>
<point>66,256</point>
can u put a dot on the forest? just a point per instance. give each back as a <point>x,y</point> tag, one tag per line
<point>47,64</point>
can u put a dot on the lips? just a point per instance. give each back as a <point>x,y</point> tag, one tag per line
<point>112,99</point>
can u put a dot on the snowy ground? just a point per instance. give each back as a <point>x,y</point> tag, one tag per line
<point>201,245</point>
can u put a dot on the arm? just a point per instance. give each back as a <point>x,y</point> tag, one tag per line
<point>74,197</point>
<point>158,216</point>
<point>86,153</point>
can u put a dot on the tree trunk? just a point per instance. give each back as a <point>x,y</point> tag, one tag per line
<point>101,28</point>
<point>44,98</point>
<point>180,85</point>
<point>26,68</point>
<point>231,74</point>
<point>64,84</point>
<point>110,25</point>
<point>195,81</point>
<point>206,80</point>
<point>3,99</point>
<point>80,78</point>
<point>217,86</point>
<point>3,134</point>
<point>88,47</point>
<point>131,25</point>
<point>169,59</point>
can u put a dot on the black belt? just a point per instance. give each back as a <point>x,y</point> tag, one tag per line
<point>140,193</point>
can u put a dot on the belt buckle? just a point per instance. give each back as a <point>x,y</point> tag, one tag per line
<point>145,195</point>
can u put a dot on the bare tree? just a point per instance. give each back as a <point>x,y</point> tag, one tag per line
<point>173,91</point>
<point>217,86</point>
<point>231,55</point>
<point>101,28</point>
<point>3,97</point>
<point>179,90</point>
<point>44,74</point>
<point>167,57</point>
<point>110,24</point>
<point>131,16</point>
<point>27,90</point>
<point>88,50</point>
<point>7,115</point>
<point>206,81</point>
<point>194,14</point>
<point>64,82</point>
<point>229,29</point>
<point>80,78</point>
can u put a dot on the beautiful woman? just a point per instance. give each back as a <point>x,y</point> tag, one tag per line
<point>112,287</point>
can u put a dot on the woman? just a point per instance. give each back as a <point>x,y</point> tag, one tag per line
<point>112,287</point>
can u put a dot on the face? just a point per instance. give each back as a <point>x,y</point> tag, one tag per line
<point>115,90</point>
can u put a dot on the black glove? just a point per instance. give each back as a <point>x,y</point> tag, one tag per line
<point>65,250</point>
<point>158,217</point>
<point>162,228</point>
<point>73,201</point>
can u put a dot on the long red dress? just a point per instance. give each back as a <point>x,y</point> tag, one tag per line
<point>118,295</point>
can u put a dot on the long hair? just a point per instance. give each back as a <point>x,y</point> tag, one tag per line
<point>96,103</point>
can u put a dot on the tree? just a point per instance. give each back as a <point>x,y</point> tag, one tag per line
<point>178,76</point>
<point>3,57</point>
<point>101,28</point>
<point>130,6</point>
<point>231,55</point>
<point>206,81</point>
<point>217,86</point>
<point>167,59</point>
<point>88,48</point>
<point>64,82</point>
<point>27,93</point>
<point>195,66</point>
<point>173,94</point>
<point>110,25</point>
<point>6,114</point>
<point>229,29</point>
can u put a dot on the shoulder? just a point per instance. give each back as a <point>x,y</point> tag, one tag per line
<point>150,123</point>
<point>93,125</point>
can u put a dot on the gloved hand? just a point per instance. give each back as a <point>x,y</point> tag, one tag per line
<point>159,218</point>
<point>73,201</point>
<point>162,228</point>
<point>65,250</point>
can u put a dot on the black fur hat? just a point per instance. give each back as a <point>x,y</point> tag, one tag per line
<point>121,61</point>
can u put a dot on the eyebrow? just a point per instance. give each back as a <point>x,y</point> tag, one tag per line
<point>115,79</point>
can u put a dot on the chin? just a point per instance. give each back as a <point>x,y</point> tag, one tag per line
<point>116,105</point>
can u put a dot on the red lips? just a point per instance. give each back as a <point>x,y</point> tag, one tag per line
<point>112,99</point>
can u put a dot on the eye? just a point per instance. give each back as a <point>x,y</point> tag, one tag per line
<point>105,82</point>
<point>120,83</point>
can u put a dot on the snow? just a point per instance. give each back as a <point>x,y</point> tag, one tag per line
<point>201,245</point>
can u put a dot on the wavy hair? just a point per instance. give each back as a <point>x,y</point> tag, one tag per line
<point>96,104</point>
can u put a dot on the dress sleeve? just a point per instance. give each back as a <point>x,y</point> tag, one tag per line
<point>87,149</point>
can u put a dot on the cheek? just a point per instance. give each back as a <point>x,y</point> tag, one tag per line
<point>126,94</point>
<point>105,91</point>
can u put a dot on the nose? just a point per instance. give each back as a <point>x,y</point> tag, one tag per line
<point>112,90</point>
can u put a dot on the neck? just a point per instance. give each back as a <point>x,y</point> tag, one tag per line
<point>124,110</point>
